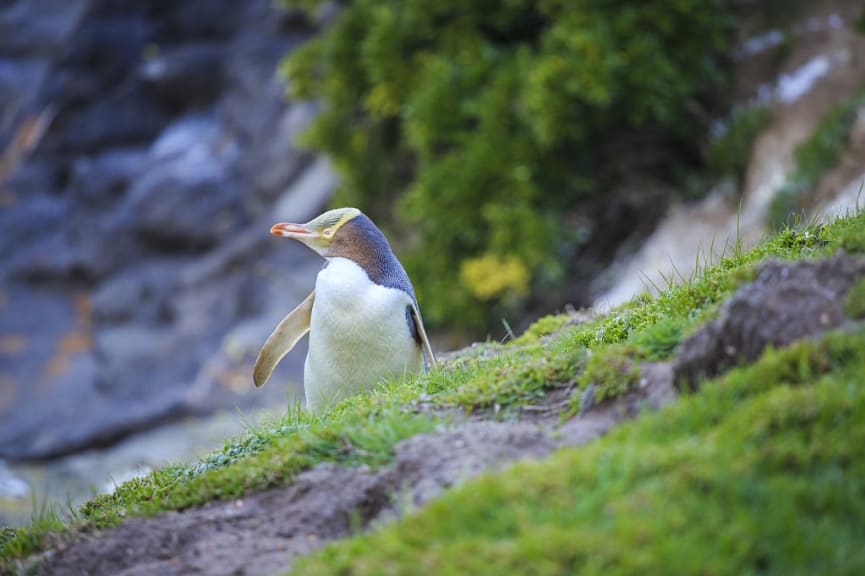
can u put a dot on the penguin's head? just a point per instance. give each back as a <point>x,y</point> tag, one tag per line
<point>322,233</point>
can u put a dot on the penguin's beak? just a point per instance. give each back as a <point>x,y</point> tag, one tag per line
<point>296,231</point>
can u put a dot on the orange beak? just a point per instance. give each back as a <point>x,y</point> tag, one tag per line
<point>296,231</point>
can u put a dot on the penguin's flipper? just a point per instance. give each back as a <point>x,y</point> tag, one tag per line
<point>429,357</point>
<point>284,337</point>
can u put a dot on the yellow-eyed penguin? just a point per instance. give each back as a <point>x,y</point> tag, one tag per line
<point>362,317</point>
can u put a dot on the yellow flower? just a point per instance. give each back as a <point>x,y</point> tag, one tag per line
<point>491,276</point>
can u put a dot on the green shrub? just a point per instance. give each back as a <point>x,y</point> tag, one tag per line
<point>469,129</point>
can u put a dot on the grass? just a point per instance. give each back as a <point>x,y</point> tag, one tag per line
<point>854,301</point>
<point>491,377</point>
<point>762,472</point>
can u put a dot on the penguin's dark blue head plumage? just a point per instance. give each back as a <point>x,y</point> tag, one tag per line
<point>349,233</point>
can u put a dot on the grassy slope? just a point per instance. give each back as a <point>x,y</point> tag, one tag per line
<point>364,429</point>
<point>763,472</point>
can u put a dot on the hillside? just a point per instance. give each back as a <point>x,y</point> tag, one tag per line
<point>708,468</point>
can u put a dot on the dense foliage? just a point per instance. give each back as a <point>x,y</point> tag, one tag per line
<point>472,127</point>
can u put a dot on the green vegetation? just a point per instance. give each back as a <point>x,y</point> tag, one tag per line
<point>543,326</point>
<point>814,157</point>
<point>854,302</point>
<point>759,473</point>
<point>45,522</point>
<point>730,152</point>
<point>471,129</point>
<point>557,354</point>
<point>613,370</point>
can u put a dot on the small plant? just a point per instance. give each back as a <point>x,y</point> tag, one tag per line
<point>613,371</point>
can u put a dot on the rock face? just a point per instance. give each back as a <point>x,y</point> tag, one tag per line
<point>143,148</point>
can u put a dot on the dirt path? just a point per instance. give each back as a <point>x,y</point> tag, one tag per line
<point>263,533</point>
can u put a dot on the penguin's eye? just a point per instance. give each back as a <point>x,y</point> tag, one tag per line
<point>328,233</point>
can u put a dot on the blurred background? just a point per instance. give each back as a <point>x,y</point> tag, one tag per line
<point>522,156</point>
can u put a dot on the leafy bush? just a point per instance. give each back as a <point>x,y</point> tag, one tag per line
<point>469,129</point>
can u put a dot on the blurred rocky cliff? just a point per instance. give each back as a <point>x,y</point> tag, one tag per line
<point>146,149</point>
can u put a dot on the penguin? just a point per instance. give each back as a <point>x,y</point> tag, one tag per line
<point>363,318</point>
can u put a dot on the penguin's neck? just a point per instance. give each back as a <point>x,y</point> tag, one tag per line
<point>342,281</point>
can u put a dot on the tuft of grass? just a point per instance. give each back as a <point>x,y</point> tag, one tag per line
<point>760,472</point>
<point>613,370</point>
<point>543,326</point>
<point>520,375</point>
<point>46,526</point>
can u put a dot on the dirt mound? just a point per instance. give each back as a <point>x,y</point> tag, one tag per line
<point>787,302</point>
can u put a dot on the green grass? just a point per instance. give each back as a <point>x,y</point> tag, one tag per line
<point>490,378</point>
<point>45,521</point>
<point>762,472</point>
<point>854,301</point>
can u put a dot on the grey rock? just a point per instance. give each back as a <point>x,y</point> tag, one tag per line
<point>188,198</point>
<point>24,222</point>
<point>99,56</point>
<point>277,162</point>
<point>126,354</point>
<point>38,27</point>
<point>99,181</point>
<point>188,76</point>
<point>20,81</point>
<point>141,294</point>
<point>133,121</point>
<point>75,250</point>
<point>177,216</point>
<point>306,197</point>
<point>204,19</point>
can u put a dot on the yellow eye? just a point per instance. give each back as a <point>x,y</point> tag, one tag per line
<point>328,233</point>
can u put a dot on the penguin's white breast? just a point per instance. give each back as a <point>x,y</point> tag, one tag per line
<point>358,332</point>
